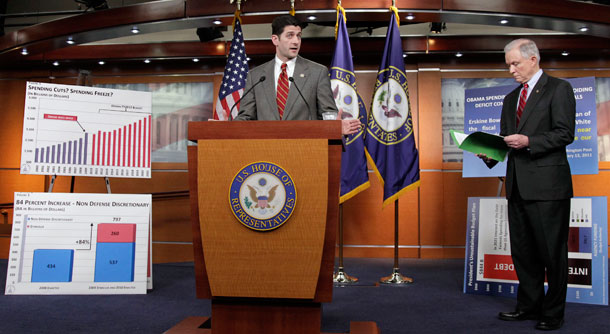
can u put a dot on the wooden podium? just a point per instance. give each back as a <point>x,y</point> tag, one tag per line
<point>271,281</point>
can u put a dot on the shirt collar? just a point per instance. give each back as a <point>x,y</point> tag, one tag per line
<point>291,63</point>
<point>531,83</point>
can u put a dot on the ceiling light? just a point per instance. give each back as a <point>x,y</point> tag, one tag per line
<point>135,30</point>
<point>195,60</point>
<point>503,21</point>
<point>217,22</point>
<point>56,63</point>
<point>565,53</point>
<point>312,17</point>
<point>404,55</point>
<point>70,40</point>
<point>248,59</point>
<point>24,51</point>
<point>583,29</point>
<point>410,17</point>
<point>459,54</point>
<point>147,61</point>
<point>101,62</point>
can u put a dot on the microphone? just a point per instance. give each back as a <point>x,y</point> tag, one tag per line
<point>246,93</point>
<point>291,79</point>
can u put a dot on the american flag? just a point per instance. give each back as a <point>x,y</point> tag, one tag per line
<point>234,78</point>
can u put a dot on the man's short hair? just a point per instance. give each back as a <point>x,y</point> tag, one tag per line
<point>278,24</point>
<point>527,47</point>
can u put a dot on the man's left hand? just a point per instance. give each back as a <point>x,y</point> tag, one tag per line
<point>517,141</point>
<point>350,126</point>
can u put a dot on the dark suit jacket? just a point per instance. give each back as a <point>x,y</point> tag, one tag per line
<point>310,77</point>
<point>541,171</point>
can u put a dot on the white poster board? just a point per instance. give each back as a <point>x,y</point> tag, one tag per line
<point>64,243</point>
<point>86,131</point>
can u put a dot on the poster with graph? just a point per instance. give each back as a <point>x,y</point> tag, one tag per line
<point>86,131</point>
<point>64,243</point>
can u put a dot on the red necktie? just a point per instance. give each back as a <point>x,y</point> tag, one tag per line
<point>522,100</point>
<point>282,91</point>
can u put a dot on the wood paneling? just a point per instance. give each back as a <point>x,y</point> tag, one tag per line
<point>431,209</point>
<point>12,95</point>
<point>285,262</point>
<point>11,181</point>
<point>430,116</point>
<point>146,12</point>
<point>171,252</point>
<point>171,219</point>
<point>367,223</point>
<point>554,8</point>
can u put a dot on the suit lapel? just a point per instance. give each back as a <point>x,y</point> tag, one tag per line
<point>511,104</point>
<point>535,95</point>
<point>300,78</point>
<point>270,91</point>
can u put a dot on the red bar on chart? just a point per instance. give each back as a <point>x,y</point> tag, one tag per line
<point>133,146</point>
<point>116,233</point>
<point>114,147</point>
<point>149,149</point>
<point>129,147</point>
<point>139,143</point>
<point>92,150</point>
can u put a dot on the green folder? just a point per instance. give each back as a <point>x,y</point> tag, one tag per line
<point>493,146</point>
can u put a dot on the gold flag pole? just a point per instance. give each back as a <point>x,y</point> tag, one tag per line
<point>341,276</point>
<point>396,277</point>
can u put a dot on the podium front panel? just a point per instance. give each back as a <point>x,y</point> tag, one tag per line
<point>282,262</point>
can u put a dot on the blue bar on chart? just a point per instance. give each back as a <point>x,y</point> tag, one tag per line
<point>72,152</point>
<point>52,265</point>
<point>115,253</point>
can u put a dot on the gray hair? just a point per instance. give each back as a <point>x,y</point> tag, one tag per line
<point>527,47</point>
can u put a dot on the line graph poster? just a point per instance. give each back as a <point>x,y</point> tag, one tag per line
<point>86,131</point>
<point>64,243</point>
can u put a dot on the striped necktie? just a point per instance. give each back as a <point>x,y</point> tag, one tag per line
<point>522,100</point>
<point>282,90</point>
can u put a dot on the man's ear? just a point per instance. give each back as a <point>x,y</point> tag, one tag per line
<point>275,39</point>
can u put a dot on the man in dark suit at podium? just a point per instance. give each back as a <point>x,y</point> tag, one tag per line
<point>290,87</point>
<point>538,120</point>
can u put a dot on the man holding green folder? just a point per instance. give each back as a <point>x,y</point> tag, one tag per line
<point>537,122</point>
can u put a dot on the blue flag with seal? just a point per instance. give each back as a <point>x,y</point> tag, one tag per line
<point>390,143</point>
<point>354,173</point>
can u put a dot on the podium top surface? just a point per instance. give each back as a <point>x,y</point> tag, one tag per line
<point>265,130</point>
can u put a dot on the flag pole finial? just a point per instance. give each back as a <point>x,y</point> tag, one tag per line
<point>292,10</point>
<point>394,10</point>
<point>238,3</point>
<point>340,11</point>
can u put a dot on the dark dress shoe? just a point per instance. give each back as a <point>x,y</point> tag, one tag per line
<point>549,324</point>
<point>517,316</point>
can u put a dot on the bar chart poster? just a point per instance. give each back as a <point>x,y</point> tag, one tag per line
<point>489,267</point>
<point>86,131</point>
<point>64,243</point>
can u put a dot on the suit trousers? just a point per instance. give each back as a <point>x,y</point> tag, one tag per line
<point>539,240</point>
